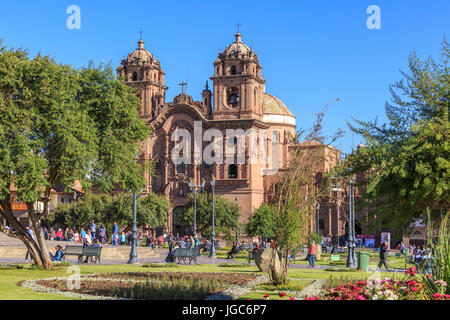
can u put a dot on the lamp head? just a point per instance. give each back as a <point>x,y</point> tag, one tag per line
<point>213,180</point>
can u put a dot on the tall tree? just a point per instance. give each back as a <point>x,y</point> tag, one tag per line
<point>263,222</point>
<point>152,211</point>
<point>61,125</point>
<point>300,185</point>
<point>405,162</point>
<point>226,214</point>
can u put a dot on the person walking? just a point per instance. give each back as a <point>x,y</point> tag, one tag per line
<point>30,231</point>
<point>115,233</point>
<point>402,248</point>
<point>312,254</point>
<point>102,234</point>
<point>383,256</point>
<point>93,228</point>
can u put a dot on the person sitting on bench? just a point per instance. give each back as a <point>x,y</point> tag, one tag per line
<point>58,254</point>
<point>94,244</point>
<point>233,251</point>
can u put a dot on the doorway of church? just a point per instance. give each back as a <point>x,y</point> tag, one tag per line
<point>179,228</point>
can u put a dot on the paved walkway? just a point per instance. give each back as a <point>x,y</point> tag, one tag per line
<point>162,254</point>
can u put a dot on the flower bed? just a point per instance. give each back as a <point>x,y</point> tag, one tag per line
<point>151,285</point>
<point>411,288</point>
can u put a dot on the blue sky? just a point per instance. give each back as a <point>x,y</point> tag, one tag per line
<point>311,51</point>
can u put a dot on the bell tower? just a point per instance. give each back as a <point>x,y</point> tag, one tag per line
<point>238,83</point>
<point>141,70</point>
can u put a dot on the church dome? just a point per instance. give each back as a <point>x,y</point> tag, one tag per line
<point>237,47</point>
<point>275,111</point>
<point>140,56</point>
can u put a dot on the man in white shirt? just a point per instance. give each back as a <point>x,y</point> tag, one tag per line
<point>87,242</point>
<point>88,239</point>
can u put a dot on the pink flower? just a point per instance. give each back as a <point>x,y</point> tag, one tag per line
<point>414,289</point>
<point>441,283</point>
<point>292,298</point>
<point>360,298</point>
<point>361,283</point>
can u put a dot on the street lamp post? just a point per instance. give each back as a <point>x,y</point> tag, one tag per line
<point>351,258</point>
<point>133,253</point>
<point>195,189</point>
<point>317,206</point>
<point>237,228</point>
<point>75,195</point>
<point>336,187</point>
<point>213,246</point>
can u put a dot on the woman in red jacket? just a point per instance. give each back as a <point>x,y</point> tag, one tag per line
<point>312,253</point>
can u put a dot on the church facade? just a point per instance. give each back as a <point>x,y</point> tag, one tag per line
<point>238,104</point>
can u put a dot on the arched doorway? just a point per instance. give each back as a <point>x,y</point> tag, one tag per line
<point>178,226</point>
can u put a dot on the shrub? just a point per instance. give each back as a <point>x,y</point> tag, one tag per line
<point>160,265</point>
<point>170,289</point>
<point>234,265</point>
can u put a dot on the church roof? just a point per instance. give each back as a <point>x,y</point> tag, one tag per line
<point>237,47</point>
<point>275,111</point>
<point>272,104</point>
<point>140,55</point>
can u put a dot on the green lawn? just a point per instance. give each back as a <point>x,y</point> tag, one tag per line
<point>10,278</point>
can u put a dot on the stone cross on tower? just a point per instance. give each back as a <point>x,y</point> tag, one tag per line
<point>182,84</point>
<point>141,32</point>
<point>238,25</point>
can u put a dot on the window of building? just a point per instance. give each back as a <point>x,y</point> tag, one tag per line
<point>181,168</point>
<point>321,224</point>
<point>232,171</point>
<point>135,76</point>
<point>233,69</point>
<point>233,96</point>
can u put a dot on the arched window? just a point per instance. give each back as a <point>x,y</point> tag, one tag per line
<point>232,171</point>
<point>233,96</point>
<point>181,168</point>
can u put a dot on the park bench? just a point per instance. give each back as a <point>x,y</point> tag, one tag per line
<point>184,254</point>
<point>251,255</point>
<point>94,252</point>
<point>246,247</point>
<point>81,251</point>
<point>73,251</point>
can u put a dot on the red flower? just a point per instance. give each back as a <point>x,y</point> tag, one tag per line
<point>411,271</point>
<point>361,283</point>
<point>266,296</point>
<point>281,294</point>
<point>412,283</point>
<point>414,289</point>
